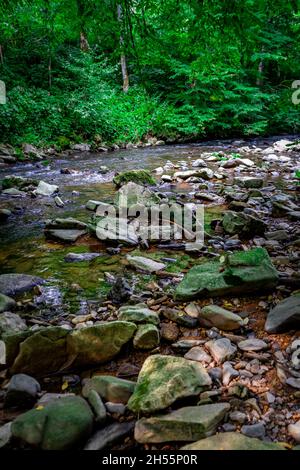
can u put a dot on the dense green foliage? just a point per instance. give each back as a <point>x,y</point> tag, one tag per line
<point>196,69</point>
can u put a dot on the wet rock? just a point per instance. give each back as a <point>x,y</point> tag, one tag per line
<point>212,315</point>
<point>204,173</point>
<point>141,177</point>
<point>115,408</point>
<point>242,224</point>
<point>169,331</point>
<point>120,292</point>
<point>179,317</point>
<point>294,431</point>
<point>11,323</point>
<point>58,201</point>
<point>138,313</point>
<point>252,344</point>
<point>221,349</point>
<point>246,272</point>
<point>232,441</point>
<point>12,284</point>
<point>254,430</point>
<point>97,406</point>
<point>110,388</point>
<point>46,189</point>
<point>145,264</point>
<point>22,391</point>
<point>146,337</point>
<point>186,424</point>
<point>284,315</point>
<point>92,205</point>
<point>163,380</point>
<point>6,304</point>
<point>109,435</point>
<point>60,425</point>
<point>78,257</point>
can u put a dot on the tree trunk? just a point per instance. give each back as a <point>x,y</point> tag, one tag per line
<point>84,45</point>
<point>123,56</point>
<point>1,54</point>
<point>259,80</point>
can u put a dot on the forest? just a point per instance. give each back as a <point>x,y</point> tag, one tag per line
<point>114,72</point>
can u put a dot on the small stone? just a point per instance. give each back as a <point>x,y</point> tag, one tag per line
<point>229,373</point>
<point>110,388</point>
<point>6,303</point>
<point>97,406</point>
<point>198,354</point>
<point>5,435</point>
<point>109,435</point>
<point>139,313</point>
<point>238,417</point>
<point>221,349</point>
<point>145,264</point>
<point>146,337</point>
<point>22,391</point>
<point>294,431</point>
<point>169,331</point>
<point>252,344</point>
<point>254,430</point>
<point>212,315</point>
<point>115,408</point>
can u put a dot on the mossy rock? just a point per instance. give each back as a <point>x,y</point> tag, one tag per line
<point>233,441</point>
<point>61,425</point>
<point>146,337</point>
<point>163,380</point>
<point>110,388</point>
<point>246,272</point>
<point>142,177</point>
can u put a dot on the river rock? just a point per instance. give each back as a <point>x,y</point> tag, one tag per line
<point>198,354</point>
<point>97,406</point>
<point>294,431</point>
<point>228,373</point>
<point>248,271</point>
<point>239,223</point>
<point>142,177</point>
<point>186,424</point>
<point>204,173</point>
<point>22,391</point>
<point>252,344</point>
<point>110,388</point>
<point>98,343</point>
<point>61,425</point>
<point>169,331</point>
<point>92,205</point>
<point>6,303</point>
<point>117,230</point>
<point>164,379</point>
<point>212,315</point>
<point>120,291</point>
<point>109,435</point>
<point>5,435</point>
<point>65,235</point>
<point>221,349</point>
<point>4,214</point>
<point>132,194</point>
<point>145,264</point>
<point>12,284</point>
<point>232,441</point>
<point>138,313</point>
<point>146,337</point>
<point>11,323</point>
<point>199,163</point>
<point>46,189</point>
<point>13,192</point>
<point>254,430</point>
<point>17,182</point>
<point>180,317</point>
<point>249,182</point>
<point>284,316</point>
<point>78,257</point>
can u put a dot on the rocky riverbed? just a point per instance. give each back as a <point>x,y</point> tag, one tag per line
<point>139,343</point>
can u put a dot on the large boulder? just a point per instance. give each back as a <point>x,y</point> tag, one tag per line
<point>246,271</point>
<point>99,343</point>
<point>284,316</point>
<point>110,388</point>
<point>164,379</point>
<point>186,424</point>
<point>13,284</point>
<point>232,441</point>
<point>61,425</point>
<point>134,176</point>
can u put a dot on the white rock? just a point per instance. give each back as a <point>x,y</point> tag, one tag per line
<point>46,189</point>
